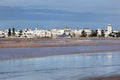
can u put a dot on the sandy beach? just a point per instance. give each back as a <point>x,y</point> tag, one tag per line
<point>27,43</point>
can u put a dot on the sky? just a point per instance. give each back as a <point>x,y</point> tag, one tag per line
<point>47,14</point>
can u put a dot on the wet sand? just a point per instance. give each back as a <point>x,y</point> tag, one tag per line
<point>28,43</point>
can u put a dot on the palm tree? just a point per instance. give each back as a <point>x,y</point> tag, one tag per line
<point>9,32</point>
<point>83,33</point>
<point>102,33</point>
<point>13,31</point>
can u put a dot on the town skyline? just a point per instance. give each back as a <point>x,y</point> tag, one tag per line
<point>59,33</point>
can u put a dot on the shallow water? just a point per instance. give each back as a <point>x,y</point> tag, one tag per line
<point>13,53</point>
<point>65,67</point>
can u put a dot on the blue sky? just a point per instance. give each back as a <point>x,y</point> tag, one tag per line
<point>48,14</point>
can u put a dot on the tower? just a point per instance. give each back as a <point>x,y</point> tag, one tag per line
<point>109,28</point>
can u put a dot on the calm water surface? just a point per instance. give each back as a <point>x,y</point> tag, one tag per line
<point>65,67</point>
<point>10,53</point>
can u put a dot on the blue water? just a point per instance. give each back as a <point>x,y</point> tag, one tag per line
<point>8,53</point>
<point>64,67</point>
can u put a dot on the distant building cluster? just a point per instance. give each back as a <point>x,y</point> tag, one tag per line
<point>59,33</point>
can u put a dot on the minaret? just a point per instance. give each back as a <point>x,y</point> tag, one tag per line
<point>109,28</point>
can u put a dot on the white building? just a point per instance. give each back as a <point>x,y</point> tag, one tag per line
<point>56,32</point>
<point>48,34</point>
<point>2,34</point>
<point>78,33</point>
<point>42,33</point>
<point>109,30</point>
<point>88,31</point>
<point>38,33</point>
<point>67,31</point>
<point>99,32</point>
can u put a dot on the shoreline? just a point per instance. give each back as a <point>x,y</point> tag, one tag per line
<point>34,42</point>
<point>87,53</point>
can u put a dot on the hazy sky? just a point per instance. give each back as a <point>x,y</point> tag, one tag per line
<point>59,13</point>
